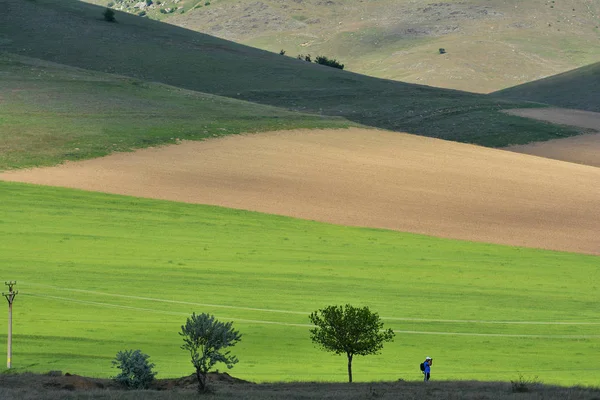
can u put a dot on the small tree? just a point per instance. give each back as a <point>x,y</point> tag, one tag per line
<point>349,330</point>
<point>205,338</point>
<point>136,371</point>
<point>330,62</point>
<point>109,15</point>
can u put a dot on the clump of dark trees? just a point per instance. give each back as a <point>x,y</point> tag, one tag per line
<point>330,62</point>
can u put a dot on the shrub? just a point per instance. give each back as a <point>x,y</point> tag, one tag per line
<point>306,58</point>
<point>523,385</point>
<point>329,62</point>
<point>442,50</point>
<point>136,371</point>
<point>109,15</point>
<point>282,52</point>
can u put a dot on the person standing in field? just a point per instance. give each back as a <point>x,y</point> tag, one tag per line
<point>427,368</point>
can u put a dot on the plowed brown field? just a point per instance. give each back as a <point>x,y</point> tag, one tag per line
<point>363,178</point>
<point>584,149</point>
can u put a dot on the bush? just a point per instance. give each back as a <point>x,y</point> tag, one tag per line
<point>109,15</point>
<point>523,385</point>
<point>306,58</point>
<point>442,50</point>
<point>136,371</point>
<point>329,62</point>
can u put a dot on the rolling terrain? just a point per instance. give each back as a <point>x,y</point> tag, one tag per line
<point>490,44</point>
<point>73,33</point>
<point>52,113</point>
<point>100,273</point>
<point>578,89</point>
<point>363,178</point>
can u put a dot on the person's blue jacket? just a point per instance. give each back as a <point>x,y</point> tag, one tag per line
<point>427,367</point>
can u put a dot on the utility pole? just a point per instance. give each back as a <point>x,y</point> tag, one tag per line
<point>10,297</point>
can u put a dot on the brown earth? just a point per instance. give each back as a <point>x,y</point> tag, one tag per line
<point>222,386</point>
<point>57,381</point>
<point>583,149</point>
<point>362,178</point>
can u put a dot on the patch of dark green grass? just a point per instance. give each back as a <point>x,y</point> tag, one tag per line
<point>577,89</point>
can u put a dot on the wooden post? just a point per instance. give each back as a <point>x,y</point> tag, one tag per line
<point>10,297</point>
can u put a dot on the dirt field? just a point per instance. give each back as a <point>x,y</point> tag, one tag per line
<point>363,178</point>
<point>584,149</point>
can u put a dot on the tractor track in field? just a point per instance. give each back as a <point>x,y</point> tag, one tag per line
<point>254,309</point>
<point>267,322</point>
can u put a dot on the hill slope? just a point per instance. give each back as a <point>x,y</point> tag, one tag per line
<point>363,178</point>
<point>74,33</point>
<point>578,89</point>
<point>490,44</point>
<point>51,113</point>
<point>101,273</point>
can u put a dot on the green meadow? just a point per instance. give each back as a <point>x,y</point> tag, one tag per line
<point>100,273</point>
<point>51,113</point>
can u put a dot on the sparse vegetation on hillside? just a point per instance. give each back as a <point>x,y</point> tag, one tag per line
<point>495,43</point>
<point>329,62</point>
<point>236,71</point>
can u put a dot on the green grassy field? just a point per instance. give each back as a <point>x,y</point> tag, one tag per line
<point>100,273</point>
<point>574,89</point>
<point>51,113</point>
<point>73,33</point>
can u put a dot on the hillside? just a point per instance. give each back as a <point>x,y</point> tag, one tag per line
<point>98,273</point>
<point>490,44</point>
<point>362,178</point>
<point>73,33</point>
<point>579,89</point>
<point>51,113</point>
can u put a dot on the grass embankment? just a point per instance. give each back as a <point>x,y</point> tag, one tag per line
<point>100,273</point>
<point>74,33</point>
<point>574,89</point>
<point>44,387</point>
<point>50,113</point>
